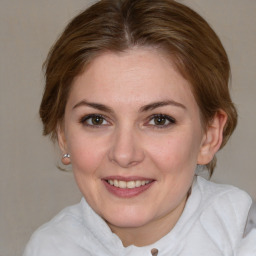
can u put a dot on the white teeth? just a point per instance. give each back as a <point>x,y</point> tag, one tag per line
<point>128,184</point>
<point>122,184</point>
<point>116,183</point>
<point>137,183</point>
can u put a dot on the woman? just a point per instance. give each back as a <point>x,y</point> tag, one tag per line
<point>137,97</point>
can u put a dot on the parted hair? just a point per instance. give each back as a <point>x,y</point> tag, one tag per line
<point>118,25</point>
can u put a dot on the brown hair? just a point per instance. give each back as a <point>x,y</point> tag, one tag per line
<point>116,25</point>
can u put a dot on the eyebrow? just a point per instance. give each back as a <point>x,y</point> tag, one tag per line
<point>158,104</point>
<point>145,108</point>
<point>93,105</point>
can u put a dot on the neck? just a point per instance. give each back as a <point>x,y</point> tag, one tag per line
<point>150,232</point>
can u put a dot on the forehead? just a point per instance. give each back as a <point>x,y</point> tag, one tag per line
<point>136,75</point>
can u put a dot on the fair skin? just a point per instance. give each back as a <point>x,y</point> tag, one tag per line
<point>132,120</point>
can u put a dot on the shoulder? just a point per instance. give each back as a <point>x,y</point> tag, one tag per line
<point>58,235</point>
<point>224,210</point>
<point>222,195</point>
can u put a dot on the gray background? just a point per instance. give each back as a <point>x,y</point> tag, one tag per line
<point>32,189</point>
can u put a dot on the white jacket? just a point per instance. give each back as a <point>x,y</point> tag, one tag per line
<point>212,224</point>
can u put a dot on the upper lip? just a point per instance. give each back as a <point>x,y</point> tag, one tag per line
<point>130,178</point>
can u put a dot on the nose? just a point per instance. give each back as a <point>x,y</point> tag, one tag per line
<point>126,150</point>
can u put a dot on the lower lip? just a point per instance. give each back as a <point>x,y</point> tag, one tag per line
<point>127,192</point>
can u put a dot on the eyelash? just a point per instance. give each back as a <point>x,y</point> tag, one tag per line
<point>84,120</point>
<point>170,119</point>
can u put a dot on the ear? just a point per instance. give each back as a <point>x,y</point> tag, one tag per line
<point>212,139</point>
<point>61,138</point>
<point>62,144</point>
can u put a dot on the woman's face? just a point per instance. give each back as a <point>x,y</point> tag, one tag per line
<point>133,130</point>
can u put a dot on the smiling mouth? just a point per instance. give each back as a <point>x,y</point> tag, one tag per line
<point>128,184</point>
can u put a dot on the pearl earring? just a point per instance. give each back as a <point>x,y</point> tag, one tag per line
<point>66,159</point>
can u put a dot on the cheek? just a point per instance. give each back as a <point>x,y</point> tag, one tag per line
<point>176,153</point>
<point>86,153</point>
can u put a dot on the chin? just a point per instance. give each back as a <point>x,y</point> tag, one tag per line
<point>129,219</point>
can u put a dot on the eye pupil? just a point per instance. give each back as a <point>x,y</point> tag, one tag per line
<point>159,120</point>
<point>97,120</point>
